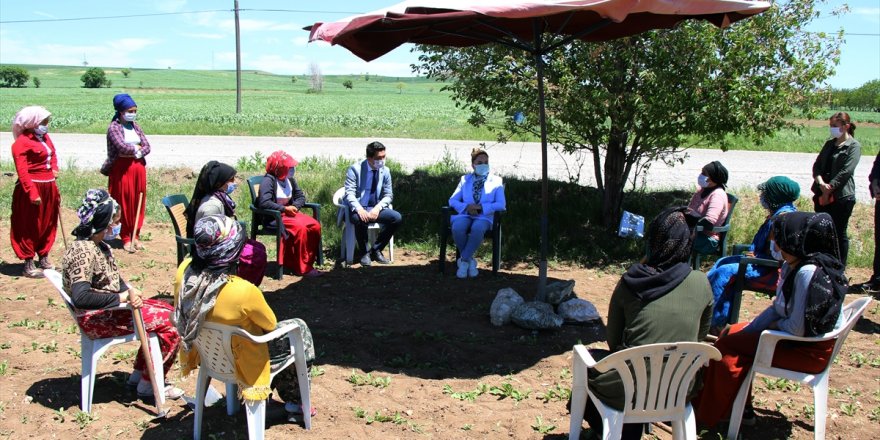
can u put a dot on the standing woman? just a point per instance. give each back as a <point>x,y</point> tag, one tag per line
<point>302,233</point>
<point>475,199</point>
<point>35,198</point>
<point>833,187</point>
<point>126,168</point>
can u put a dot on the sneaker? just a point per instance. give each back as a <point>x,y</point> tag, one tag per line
<point>296,408</point>
<point>462,271</point>
<point>134,379</point>
<point>378,257</point>
<point>472,268</point>
<point>365,260</point>
<point>45,263</point>
<point>31,270</point>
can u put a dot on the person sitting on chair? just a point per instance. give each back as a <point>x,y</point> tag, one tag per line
<point>91,277</point>
<point>302,233</point>
<point>808,303</point>
<point>211,196</point>
<point>206,289</point>
<point>659,300</point>
<point>710,203</point>
<point>368,196</point>
<point>475,199</point>
<point>777,196</point>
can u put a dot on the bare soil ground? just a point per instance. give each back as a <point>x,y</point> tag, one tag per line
<point>406,322</point>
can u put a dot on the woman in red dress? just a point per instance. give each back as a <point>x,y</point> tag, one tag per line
<point>302,233</point>
<point>126,168</point>
<point>35,199</point>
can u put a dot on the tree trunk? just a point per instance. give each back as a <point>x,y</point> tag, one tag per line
<point>615,179</point>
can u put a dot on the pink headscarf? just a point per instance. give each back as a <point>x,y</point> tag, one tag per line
<point>28,118</point>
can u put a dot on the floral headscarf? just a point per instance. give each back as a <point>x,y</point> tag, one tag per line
<point>28,118</point>
<point>279,164</point>
<point>95,213</point>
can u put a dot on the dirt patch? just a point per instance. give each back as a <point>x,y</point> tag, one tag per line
<point>428,333</point>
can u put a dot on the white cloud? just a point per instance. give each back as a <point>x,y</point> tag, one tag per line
<point>872,14</point>
<point>300,41</point>
<point>132,44</point>
<point>170,5</point>
<point>116,53</point>
<point>203,36</point>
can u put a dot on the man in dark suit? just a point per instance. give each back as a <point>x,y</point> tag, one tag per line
<point>368,195</point>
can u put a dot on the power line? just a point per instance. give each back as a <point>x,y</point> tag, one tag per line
<point>159,14</point>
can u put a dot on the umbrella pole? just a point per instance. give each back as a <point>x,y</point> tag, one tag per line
<point>545,192</point>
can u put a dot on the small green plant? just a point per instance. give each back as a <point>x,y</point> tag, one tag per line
<point>59,415</point>
<point>858,359</point>
<point>138,277</point>
<point>849,409</point>
<point>4,366</point>
<point>26,323</point>
<point>556,393</point>
<point>83,419</point>
<point>316,371</point>
<point>50,347</point>
<point>541,427</point>
<point>5,346</point>
<point>123,355</point>
<point>874,416</point>
<point>2,407</point>
<point>255,162</point>
<point>809,411</point>
<point>469,396</point>
<point>507,390</point>
<point>780,384</point>
<point>21,297</point>
<point>74,352</point>
<point>368,379</point>
<point>467,427</point>
<point>565,374</point>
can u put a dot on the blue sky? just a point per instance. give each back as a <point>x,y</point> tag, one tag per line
<point>274,41</point>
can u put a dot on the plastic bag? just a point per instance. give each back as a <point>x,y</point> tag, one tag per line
<point>631,225</point>
<point>536,316</point>
<point>559,291</point>
<point>578,310</point>
<point>505,302</point>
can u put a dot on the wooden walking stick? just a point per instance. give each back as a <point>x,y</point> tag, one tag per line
<point>61,223</point>
<point>137,219</point>
<point>151,370</point>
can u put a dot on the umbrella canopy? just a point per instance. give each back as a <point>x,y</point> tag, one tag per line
<point>462,23</point>
<point>521,24</point>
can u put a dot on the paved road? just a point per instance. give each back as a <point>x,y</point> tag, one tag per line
<point>522,159</point>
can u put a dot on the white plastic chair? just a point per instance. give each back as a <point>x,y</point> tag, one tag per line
<point>343,219</point>
<point>660,396</point>
<point>92,349</point>
<point>214,344</point>
<point>818,381</point>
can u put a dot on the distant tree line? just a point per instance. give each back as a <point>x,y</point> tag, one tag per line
<point>864,98</point>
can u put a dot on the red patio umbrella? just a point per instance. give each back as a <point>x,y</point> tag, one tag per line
<point>522,25</point>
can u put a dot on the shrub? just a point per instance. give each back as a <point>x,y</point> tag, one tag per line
<point>95,78</point>
<point>347,84</point>
<point>13,76</point>
<point>37,82</point>
<point>125,72</point>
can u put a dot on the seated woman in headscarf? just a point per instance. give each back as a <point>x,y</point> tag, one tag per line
<point>710,203</point>
<point>206,289</point>
<point>94,283</point>
<point>777,196</point>
<point>211,195</point>
<point>302,233</point>
<point>659,300</point>
<point>808,303</point>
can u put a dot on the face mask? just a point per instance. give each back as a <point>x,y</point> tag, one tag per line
<point>41,130</point>
<point>481,169</point>
<point>379,163</point>
<point>113,232</point>
<point>835,132</point>
<point>702,181</point>
<point>230,188</point>
<point>774,251</point>
<point>129,117</point>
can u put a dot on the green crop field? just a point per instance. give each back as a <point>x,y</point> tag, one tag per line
<point>203,103</point>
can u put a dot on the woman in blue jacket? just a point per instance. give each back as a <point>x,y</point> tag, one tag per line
<point>476,199</point>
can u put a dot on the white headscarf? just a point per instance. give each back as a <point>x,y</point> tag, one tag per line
<point>28,118</point>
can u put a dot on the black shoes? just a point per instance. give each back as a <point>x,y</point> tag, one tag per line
<point>365,260</point>
<point>378,257</point>
<point>868,286</point>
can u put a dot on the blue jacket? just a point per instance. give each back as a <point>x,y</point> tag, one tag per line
<point>357,190</point>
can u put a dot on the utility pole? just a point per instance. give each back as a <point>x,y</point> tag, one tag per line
<point>237,62</point>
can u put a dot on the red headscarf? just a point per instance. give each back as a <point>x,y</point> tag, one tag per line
<point>279,164</point>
